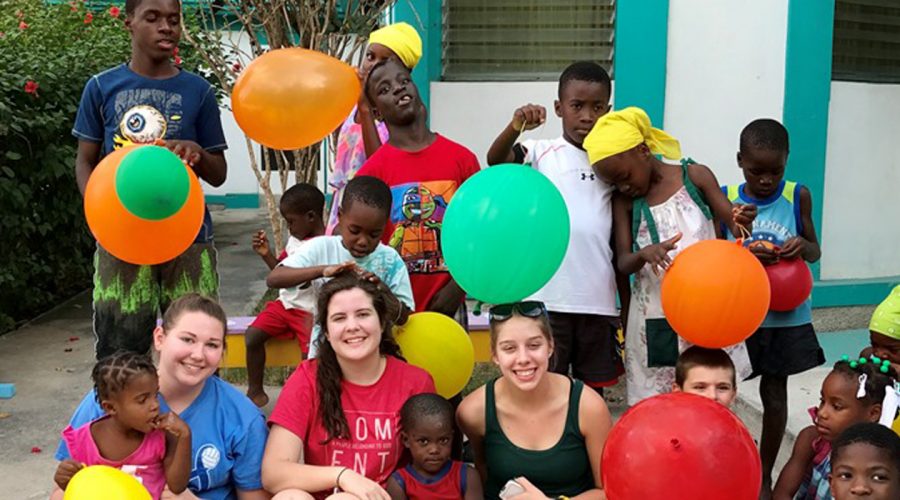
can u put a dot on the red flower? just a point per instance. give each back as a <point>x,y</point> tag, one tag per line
<point>88,18</point>
<point>114,11</point>
<point>22,25</point>
<point>237,67</point>
<point>175,54</point>
<point>31,87</point>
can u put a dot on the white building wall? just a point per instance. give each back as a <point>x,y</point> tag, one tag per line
<point>725,68</point>
<point>474,113</point>
<point>861,233</point>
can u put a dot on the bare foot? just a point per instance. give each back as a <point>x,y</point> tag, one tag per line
<point>259,398</point>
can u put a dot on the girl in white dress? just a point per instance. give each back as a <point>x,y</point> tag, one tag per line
<point>659,210</point>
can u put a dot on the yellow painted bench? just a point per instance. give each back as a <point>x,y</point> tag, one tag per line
<point>287,352</point>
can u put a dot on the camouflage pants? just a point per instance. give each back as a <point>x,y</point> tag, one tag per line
<point>129,298</point>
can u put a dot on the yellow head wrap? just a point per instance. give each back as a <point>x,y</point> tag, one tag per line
<point>619,131</point>
<point>886,318</point>
<point>402,39</point>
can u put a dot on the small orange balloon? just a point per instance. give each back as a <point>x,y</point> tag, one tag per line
<point>715,293</point>
<point>131,238</point>
<point>291,98</point>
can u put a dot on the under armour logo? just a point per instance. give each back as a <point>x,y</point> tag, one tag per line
<point>585,176</point>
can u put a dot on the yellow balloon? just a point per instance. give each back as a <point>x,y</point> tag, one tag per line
<point>100,482</point>
<point>441,347</point>
<point>291,98</point>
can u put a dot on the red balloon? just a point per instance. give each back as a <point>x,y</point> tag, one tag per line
<point>791,283</point>
<point>715,293</point>
<point>680,446</point>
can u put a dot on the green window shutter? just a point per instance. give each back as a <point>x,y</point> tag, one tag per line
<point>524,39</point>
<point>866,40</point>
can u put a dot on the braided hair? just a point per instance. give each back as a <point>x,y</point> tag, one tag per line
<point>113,373</point>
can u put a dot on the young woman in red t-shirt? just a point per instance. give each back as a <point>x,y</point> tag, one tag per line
<point>335,426</point>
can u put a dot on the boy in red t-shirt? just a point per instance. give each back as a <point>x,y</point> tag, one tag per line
<point>423,170</point>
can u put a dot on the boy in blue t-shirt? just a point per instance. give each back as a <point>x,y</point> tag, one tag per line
<point>786,342</point>
<point>143,101</point>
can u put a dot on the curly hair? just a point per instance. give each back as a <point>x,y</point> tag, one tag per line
<point>328,371</point>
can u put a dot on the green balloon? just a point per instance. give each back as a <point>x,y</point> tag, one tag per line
<point>152,182</point>
<point>505,233</point>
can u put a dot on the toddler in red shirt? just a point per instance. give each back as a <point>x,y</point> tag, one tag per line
<point>426,429</point>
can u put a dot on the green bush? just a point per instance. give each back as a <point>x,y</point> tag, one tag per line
<point>47,54</point>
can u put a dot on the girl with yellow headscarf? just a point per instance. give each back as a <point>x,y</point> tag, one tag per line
<point>361,135</point>
<point>659,209</point>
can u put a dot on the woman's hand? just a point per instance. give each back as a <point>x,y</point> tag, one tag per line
<point>362,487</point>
<point>184,495</point>
<point>531,491</point>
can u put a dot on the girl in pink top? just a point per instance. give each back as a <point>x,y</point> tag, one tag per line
<point>132,436</point>
<point>336,423</point>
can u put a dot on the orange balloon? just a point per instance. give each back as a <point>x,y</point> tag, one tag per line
<point>131,238</point>
<point>291,98</point>
<point>715,293</point>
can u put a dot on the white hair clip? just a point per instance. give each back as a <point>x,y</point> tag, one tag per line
<point>889,405</point>
<point>861,392</point>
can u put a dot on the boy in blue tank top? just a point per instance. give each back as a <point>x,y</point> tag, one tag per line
<point>786,342</point>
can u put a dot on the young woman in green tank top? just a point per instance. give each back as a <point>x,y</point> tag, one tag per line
<point>531,425</point>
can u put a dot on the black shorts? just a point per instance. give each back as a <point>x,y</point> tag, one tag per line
<point>587,342</point>
<point>784,350</point>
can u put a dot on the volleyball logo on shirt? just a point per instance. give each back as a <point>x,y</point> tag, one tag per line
<point>205,461</point>
<point>141,124</point>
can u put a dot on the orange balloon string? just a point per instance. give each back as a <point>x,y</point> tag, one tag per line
<point>744,234</point>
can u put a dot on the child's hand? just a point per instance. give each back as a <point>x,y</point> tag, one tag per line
<point>363,102</point>
<point>530,116</point>
<point>658,255</point>
<point>189,151</point>
<point>767,255</point>
<point>744,215</point>
<point>793,248</point>
<point>261,243</point>
<point>340,268</point>
<point>65,471</point>
<point>369,276</point>
<point>172,423</point>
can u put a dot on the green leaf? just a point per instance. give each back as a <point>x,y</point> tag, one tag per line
<point>12,155</point>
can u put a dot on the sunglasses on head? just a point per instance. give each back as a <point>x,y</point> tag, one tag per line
<point>529,309</point>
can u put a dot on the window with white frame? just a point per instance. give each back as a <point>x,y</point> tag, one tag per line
<point>520,40</point>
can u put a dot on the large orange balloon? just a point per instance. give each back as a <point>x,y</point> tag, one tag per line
<point>131,238</point>
<point>715,293</point>
<point>291,98</point>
